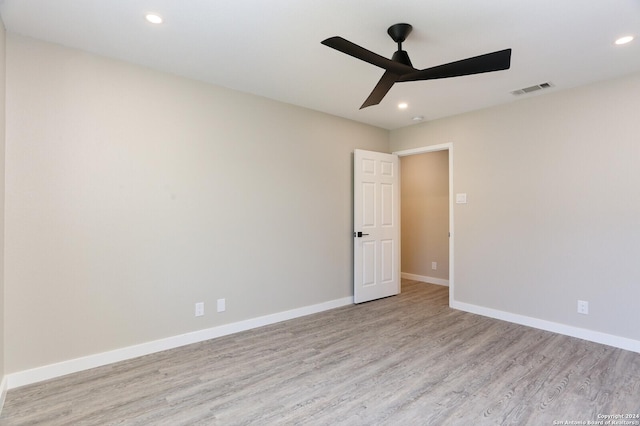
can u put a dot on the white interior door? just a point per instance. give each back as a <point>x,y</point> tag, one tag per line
<point>376,207</point>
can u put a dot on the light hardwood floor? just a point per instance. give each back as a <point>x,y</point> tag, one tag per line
<point>404,360</point>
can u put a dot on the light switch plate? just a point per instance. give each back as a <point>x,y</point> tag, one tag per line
<point>461,198</point>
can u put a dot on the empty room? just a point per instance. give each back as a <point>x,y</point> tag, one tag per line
<point>216,212</point>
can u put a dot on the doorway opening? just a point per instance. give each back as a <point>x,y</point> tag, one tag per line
<point>427,237</point>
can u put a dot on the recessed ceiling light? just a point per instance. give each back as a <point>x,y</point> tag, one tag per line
<point>403,105</point>
<point>624,40</point>
<point>418,118</point>
<point>154,19</point>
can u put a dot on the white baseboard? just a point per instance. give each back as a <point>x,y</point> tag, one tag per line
<point>567,330</point>
<point>51,371</point>
<point>3,392</point>
<point>424,279</point>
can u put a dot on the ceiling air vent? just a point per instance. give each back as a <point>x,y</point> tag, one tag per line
<point>532,88</point>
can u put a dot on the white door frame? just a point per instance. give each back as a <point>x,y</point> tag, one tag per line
<point>433,148</point>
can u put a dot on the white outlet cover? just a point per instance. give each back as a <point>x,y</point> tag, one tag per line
<point>222,305</point>
<point>199,309</point>
<point>583,307</point>
<point>461,198</point>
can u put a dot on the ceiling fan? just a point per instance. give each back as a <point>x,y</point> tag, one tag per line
<point>399,68</point>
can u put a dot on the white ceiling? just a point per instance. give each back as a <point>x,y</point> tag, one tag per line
<point>272,48</point>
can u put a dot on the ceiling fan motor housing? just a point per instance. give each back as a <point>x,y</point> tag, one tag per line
<point>402,56</point>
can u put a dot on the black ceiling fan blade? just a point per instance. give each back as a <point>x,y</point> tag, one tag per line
<point>352,49</point>
<point>495,61</point>
<point>385,84</point>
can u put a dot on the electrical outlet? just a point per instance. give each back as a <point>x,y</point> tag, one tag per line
<point>199,309</point>
<point>222,305</point>
<point>583,307</point>
<point>434,265</point>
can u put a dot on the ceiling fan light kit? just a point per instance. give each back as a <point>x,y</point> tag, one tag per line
<point>399,67</point>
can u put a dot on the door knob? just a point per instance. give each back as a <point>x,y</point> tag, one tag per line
<point>359,234</point>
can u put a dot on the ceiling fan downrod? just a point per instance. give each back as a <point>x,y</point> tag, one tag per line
<point>399,33</point>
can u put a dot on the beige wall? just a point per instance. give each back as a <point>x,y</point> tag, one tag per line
<point>553,211</point>
<point>425,214</point>
<point>132,194</point>
<point>2,170</point>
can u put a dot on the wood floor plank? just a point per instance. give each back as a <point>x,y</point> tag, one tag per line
<point>407,359</point>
